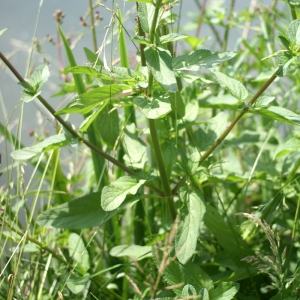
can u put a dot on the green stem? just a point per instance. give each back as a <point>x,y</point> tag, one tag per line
<point>95,279</point>
<point>73,132</point>
<point>229,128</point>
<point>237,118</point>
<point>153,130</point>
<point>154,21</point>
<point>142,46</point>
<point>41,245</point>
<point>93,26</point>
<point>293,11</point>
<point>159,158</point>
<point>124,62</point>
<point>161,168</point>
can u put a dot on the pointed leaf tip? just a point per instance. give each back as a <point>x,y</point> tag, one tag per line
<point>114,194</point>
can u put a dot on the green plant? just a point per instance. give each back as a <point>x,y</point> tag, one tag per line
<point>167,174</point>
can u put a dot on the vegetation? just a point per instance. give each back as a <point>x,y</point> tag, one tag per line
<point>182,180</point>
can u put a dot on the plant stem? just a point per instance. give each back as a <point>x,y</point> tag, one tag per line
<point>225,40</point>
<point>154,21</point>
<point>153,130</point>
<point>159,158</point>
<point>74,133</point>
<point>93,26</point>
<point>38,243</point>
<point>200,19</point>
<point>237,118</point>
<point>124,62</point>
<point>142,46</point>
<point>230,127</point>
<point>293,11</point>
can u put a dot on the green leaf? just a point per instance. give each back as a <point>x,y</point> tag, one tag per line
<point>284,41</point>
<point>78,253</point>
<point>37,79</point>
<point>173,272</point>
<point>236,88</point>
<point>200,58</point>
<point>206,135</point>
<point>108,124</point>
<point>188,290</point>
<point>177,274</point>
<point>228,238</point>
<point>140,1</point>
<point>297,4</point>
<point>27,96</point>
<point>226,101</point>
<point>154,108</point>
<point>83,212</point>
<point>291,145</point>
<point>189,96</point>
<point>51,143</point>
<point>247,137</point>
<point>67,88</point>
<point>263,101</point>
<point>141,39</point>
<point>91,118</point>
<point>145,14</point>
<point>224,291</point>
<point>86,102</point>
<point>284,60</point>
<point>92,57</point>
<point>80,213</point>
<point>77,283</point>
<point>2,31</point>
<point>169,151</point>
<point>171,37</point>
<point>117,73</point>
<point>124,60</point>
<point>278,113</point>
<point>190,219</point>
<point>204,294</point>
<point>177,105</point>
<point>113,195</point>
<point>80,87</point>
<point>135,149</point>
<point>159,62</point>
<point>134,251</point>
<point>293,32</point>
<point>195,42</point>
<point>34,83</point>
<point>264,75</point>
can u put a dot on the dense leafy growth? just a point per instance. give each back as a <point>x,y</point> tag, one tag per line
<point>191,186</point>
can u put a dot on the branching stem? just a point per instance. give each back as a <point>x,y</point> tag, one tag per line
<point>74,133</point>
<point>153,130</point>
<point>230,127</point>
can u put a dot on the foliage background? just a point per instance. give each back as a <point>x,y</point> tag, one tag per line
<point>254,172</point>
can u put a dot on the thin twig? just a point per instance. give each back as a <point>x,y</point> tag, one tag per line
<point>201,15</point>
<point>74,133</point>
<point>229,128</point>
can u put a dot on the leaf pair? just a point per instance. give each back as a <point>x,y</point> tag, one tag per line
<point>34,83</point>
